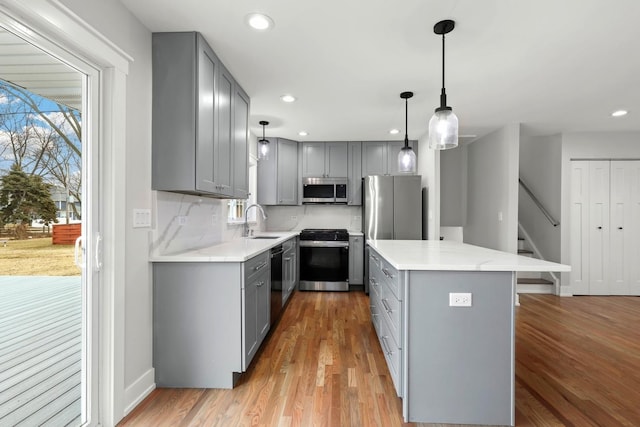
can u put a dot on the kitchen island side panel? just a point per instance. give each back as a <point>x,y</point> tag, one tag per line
<point>197,325</point>
<point>460,360</point>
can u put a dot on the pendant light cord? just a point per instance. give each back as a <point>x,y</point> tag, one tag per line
<point>406,121</point>
<point>443,62</point>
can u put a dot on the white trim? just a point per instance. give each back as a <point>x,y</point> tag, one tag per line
<point>57,22</point>
<point>52,21</point>
<point>139,390</point>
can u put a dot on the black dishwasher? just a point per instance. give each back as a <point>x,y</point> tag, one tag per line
<point>276,283</point>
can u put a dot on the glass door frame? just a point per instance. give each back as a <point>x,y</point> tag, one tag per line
<point>51,26</point>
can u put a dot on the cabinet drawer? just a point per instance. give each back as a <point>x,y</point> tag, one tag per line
<point>391,277</point>
<point>256,265</point>
<point>391,309</point>
<point>375,307</point>
<point>392,354</point>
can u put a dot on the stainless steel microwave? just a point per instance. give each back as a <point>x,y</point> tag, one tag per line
<point>324,190</point>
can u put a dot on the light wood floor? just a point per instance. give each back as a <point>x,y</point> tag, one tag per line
<point>577,363</point>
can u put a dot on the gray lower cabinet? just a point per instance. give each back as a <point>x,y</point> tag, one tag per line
<point>289,268</point>
<point>209,320</point>
<point>278,174</point>
<point>356,260</point>
<point>450,365</point>
<point>257,305</point>
<point>199,120</point>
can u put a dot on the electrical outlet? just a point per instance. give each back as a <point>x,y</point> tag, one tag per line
<point>182,220</point>
<point>459,299</point>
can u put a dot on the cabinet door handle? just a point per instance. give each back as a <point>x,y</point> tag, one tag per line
<point>599,228</point>
<point>386,273</point>
<point>288,259</point>
<point>260,284</point>
<point>374,257</point>
<point>386,349</point>
<point>387,308</point>
<point>264,264</point>
<point>619,228</point>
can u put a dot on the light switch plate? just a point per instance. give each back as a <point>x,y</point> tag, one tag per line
<point>141,218</point>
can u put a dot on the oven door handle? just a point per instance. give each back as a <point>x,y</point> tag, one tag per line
<point>323,244</point>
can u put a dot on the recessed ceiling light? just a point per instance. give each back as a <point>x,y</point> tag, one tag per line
<point>394,131</point>
<point>619,113</point>
<point>259,21</point>
<point>288,98</point>
<point>303,133</point>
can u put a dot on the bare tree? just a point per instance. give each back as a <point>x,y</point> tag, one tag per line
<point>42,142</point>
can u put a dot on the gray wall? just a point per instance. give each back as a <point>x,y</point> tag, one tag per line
<point>453,187</point>
<point>540,169</point>
<point>492,190</point>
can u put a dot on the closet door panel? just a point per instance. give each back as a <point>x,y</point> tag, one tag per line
<point>620,197</point>
<point>632,227</point>
<point>599,227</point>
<point>579,227</point>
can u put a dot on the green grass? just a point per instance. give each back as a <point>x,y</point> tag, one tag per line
<point>36,257</point>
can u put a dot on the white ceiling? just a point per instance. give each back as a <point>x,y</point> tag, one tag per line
<point>28,67</point>
<point>553,65</point>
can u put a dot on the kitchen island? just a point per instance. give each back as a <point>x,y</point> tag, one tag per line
<point>444,315</point>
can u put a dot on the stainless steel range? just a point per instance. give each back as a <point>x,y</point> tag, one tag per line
<point>324,260</point>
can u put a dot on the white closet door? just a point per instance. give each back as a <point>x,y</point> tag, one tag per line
<point>632,228</point>
<point>579,227</point>
<point>620,221</point>
<point>599,230</point>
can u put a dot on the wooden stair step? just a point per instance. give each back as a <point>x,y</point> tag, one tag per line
<point>530,281</point>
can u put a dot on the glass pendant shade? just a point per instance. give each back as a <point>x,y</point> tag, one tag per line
<point>263,149</point>
<point>443,130</point>
<point>263,144</point>
<point>407,160</point>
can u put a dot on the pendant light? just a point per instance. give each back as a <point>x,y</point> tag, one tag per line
<point>443,126</point>
<point>263,144</point>
<point>406,156</point>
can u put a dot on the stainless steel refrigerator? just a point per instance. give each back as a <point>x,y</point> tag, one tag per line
<point>391,210</point>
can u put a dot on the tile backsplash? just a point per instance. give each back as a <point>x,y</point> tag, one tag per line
<point>293,218</point>
<point>183,222</point>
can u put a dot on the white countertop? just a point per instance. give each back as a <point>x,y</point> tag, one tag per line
<point>237,250</point>
<point>449,255</point>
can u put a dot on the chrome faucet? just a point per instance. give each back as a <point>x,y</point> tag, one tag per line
<point>245,230</point>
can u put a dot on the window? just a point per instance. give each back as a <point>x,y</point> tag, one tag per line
<point>237,206</point>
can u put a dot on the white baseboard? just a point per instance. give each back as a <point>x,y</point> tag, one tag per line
<point>141,388</point>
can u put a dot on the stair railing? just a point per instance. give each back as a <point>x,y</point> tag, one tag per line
<point>546,213</point>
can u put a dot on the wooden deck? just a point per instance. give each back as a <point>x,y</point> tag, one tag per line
<point>40,350</point>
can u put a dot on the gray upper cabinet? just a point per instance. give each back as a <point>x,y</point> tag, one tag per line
<point>381,158</point>
<point>374,158</point>
<point>278,175</point>
<point>195,149</point>
<point>354,192</point>
<point>324,159</point>
<point>222,144</point>
<point>240,143</point>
